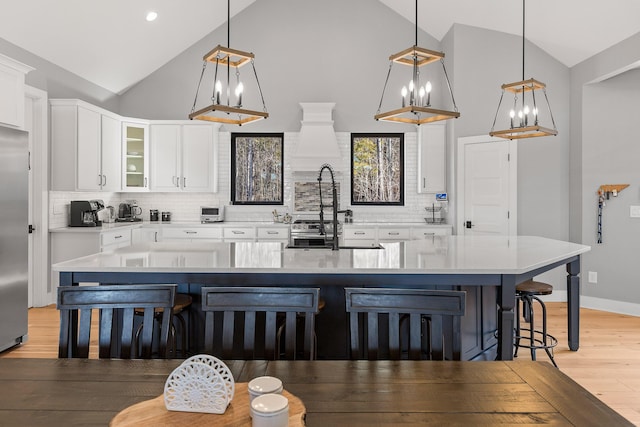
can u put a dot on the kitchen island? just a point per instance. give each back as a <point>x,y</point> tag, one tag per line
<point>488,267</point>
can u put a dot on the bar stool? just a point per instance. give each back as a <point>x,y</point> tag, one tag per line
<point>532,338</point>
<point>182,303</point>
<point>300,318</point>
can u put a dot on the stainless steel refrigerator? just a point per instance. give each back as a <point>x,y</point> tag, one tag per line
<point>14,206</point>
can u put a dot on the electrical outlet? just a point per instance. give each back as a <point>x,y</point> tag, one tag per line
<point>593,277</point>
<point>634,211</point>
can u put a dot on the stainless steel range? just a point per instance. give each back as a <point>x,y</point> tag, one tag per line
<point>307,233</point>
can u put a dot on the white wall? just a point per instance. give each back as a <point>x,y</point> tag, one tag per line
<point>604,147</point>
<point>610,155</point>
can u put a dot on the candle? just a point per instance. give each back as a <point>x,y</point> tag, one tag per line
<point>421,92</point>
<point>411,93</point>
<point>526,115</point>
<point>535,116</point>
<point>427,89</point>
<point>404,96</point>
<point>512,114</point>
<point>239,90</point>
<point>521,117</point>
<point>217,91</point>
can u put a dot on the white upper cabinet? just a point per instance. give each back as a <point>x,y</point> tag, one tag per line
<point>110,153</point>
<point>85,142</point>
<point>12,74</point>
<point>432,158</point>
<point>184,157</point>
<point>135,155</point>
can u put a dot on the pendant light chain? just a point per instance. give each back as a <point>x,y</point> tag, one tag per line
<point>523,23</point>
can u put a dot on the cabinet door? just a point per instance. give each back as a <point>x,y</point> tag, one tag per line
<point>136,157</point>
<point>111,154</point>
<point>12,89</point>
<point>197,158</point>
<point>165,155</point>
<point>89,172</point>
<point>432,158</point>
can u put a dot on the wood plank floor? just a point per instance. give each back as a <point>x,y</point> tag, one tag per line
<point>607,364</point>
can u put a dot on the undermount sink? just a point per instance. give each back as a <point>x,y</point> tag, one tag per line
<point>330,247</point>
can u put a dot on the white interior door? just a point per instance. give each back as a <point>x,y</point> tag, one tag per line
<point>487,186</point>
<point>36,113</point>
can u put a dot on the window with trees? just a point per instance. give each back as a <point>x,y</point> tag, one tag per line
<point>377,169</point>
<point>257,168</point>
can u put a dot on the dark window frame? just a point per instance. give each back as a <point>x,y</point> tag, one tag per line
<point>400,136</point>
<point>234,137</point>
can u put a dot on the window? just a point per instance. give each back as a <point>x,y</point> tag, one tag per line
<point>257,168</point>
<point>377,169</point>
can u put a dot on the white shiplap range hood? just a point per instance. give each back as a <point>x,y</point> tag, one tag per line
<point>317,143</point>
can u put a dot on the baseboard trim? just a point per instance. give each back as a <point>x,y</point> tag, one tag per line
<point>594,303</point>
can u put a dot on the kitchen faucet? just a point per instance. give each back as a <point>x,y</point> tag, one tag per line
<point>334,192</point>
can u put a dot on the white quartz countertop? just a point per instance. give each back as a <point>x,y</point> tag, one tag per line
<point>107,226</point>
<point>436,255</point>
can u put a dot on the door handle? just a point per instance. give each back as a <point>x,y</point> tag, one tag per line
<point>468,224</point>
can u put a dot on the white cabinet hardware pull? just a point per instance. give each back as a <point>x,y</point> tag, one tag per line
<point>272,232</point>
<point>237,232</point>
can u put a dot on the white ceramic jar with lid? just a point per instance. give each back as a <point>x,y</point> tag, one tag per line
<point>270,410</point>
<point>264,385</point>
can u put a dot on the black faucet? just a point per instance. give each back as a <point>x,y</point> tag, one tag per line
<point>334,192</point>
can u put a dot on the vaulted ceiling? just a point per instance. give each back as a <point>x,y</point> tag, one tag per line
<point>87,38</point>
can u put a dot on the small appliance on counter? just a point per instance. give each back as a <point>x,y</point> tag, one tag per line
<point>128,212</point>
<point>153,215</point>
<point>166,216</point>
<point>211,214</point>
<point>84,213</point>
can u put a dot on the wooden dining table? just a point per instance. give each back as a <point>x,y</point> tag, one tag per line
<point>87,392</point>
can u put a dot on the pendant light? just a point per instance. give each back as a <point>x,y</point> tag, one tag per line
<point>524,117</point>
<point>414,99</point>
<point>225,112</point>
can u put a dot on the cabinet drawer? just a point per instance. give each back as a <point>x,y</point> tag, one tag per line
<point>268,233</point>
<point>192,233</point>
<point>359,233</point>
<point>423,233</point>
<point>239,233</point>
<point>119,237</point>
<point>394,234</point>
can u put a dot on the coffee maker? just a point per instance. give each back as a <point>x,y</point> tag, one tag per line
<point>84,213</point>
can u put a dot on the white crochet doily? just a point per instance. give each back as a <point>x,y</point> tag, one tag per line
<point>200,384</point>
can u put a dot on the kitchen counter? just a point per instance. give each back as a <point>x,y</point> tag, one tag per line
<point>106,226</point>
<point>440,255</point>
<point>487,267</point>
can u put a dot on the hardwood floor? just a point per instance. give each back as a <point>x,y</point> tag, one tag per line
<point>607,364</point>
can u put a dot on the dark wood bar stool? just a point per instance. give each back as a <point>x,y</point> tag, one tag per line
<point>532,338</point>
<point>182,303</point>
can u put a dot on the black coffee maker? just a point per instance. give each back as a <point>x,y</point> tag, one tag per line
<point>84,213</point>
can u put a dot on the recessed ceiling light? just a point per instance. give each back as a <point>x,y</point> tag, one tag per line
<point>151,16</point>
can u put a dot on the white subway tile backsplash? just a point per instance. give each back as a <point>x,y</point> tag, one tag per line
<point>186,206</point>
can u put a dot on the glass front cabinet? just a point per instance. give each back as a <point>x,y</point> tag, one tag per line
<point>135,165</point>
